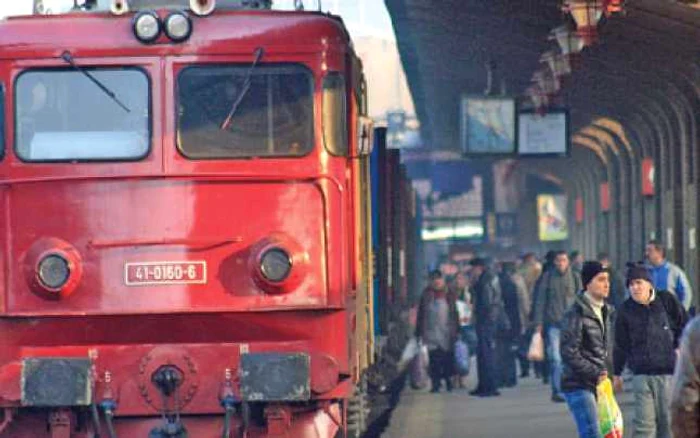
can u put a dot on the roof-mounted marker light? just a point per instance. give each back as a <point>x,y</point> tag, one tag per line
<point>119,7</point>
<point>147,26</point>
<point>178,26</point>
<point>202,7</point>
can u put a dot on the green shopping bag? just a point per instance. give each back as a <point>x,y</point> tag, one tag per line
<point>609,413</point>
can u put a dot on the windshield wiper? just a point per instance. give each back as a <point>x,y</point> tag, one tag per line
<point>246,86</point>
<point>66,56</point>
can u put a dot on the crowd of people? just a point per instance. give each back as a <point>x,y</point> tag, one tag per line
<point>596,322</point>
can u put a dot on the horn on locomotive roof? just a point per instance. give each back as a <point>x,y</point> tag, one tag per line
<point>119,7</point>
<point>202,7</point>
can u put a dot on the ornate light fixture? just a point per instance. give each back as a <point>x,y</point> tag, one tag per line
<point>614,7</point>
<point>538,98</point>
<point>546,81</point>
<point>557,63</point>
<point>587,15</point>
<point>569,42</point>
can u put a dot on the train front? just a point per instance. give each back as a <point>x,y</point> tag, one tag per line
<point>179,200</point>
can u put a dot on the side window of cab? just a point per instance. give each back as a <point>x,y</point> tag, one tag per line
<point>2,121</point>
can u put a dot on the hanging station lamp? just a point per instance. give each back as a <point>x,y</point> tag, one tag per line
<point>614,7</point>
<point>539,99</point>
<point>586,15</point>
<point>569,42</point>
<point>557,63</point>
<point>546,81</point>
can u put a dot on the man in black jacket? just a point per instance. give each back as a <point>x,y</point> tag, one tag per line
<point>647,333</point>
<point>488,309</point>
<point>586,348</point>
<point>506,342</point>
<point>556,293</point>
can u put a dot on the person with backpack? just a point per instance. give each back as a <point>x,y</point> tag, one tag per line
<point>668,276</point>
<point>556,293</point>
<point>648,330</point>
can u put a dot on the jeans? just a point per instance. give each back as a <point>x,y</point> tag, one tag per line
<point>651,406</point>
<point>553,334</point>
<point>584,408</point>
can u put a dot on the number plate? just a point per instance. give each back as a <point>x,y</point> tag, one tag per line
<point>154,273</point>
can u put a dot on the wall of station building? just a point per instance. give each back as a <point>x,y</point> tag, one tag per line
<point>628,184</point>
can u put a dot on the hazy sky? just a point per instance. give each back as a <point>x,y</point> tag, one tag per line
<point>363,17</point>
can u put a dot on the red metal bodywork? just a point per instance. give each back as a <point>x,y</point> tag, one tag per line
<point>167,208</point>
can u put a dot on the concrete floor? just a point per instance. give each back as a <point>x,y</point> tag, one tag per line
<point>523,412</point>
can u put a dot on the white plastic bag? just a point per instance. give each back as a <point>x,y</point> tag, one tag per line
<point>536,351</point>
<point>462,357</point>
<point>419,368</point>
<point>409,352</point>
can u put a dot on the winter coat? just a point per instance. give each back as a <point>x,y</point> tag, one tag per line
<point>646,337</point>
<point>524,302</point>
<point>685,392</point>
<point>555,294</point>
<point>509,289</point>
<point>488,302</point>
<point>453,317</point>
<point>530,273</point>
<point>670,277</point>
<point>586,345</point>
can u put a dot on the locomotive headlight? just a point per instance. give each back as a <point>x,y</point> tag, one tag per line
<point>178,26</point>
<point>275,265</point>
<point>53,271</point>
<point>147,26</point>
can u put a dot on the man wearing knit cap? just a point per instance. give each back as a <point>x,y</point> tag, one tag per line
<point>586,348</point>
<point>647,334</point>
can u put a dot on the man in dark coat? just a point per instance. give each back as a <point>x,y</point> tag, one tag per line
<point>648,330</point>
<point>436,325</point>
<point>556,293</point>
<point>586,348</point>
<point>488,311</point>
<point>507,339</point>
<point>541,368</point>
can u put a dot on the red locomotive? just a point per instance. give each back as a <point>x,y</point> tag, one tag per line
<point>185,222</point>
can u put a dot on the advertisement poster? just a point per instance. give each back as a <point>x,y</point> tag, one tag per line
<point>551,217</point>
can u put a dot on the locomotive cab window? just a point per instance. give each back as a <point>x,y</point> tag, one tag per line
<point>68,115</point>
<point>233,111</point>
